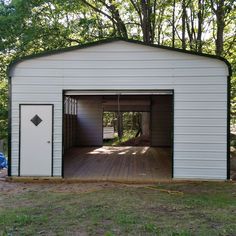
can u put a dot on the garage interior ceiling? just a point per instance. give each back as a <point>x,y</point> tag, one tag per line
<point>107,92</point>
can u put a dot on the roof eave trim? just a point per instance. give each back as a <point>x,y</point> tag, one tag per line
<point>108,40</point>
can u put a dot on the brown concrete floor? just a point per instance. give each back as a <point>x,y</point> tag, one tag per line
<point>125,164</point>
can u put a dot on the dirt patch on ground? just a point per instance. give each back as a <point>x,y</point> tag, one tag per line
<point>3,173</point>
<point>178,188</point>
<point>137,141</point>
<point>18,187</point>
<point>22,187</point>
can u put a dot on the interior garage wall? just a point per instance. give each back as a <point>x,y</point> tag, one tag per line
<point>70,122</point>
<point>89,120</point>
<point>161,121</point>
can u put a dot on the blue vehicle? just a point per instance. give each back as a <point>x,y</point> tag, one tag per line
<point>3,161</point>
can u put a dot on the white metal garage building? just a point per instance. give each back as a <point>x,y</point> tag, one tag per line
<point>197,86</point>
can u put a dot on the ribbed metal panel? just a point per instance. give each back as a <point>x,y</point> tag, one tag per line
<point>200,85</point>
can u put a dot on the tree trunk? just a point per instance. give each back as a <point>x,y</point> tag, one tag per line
<point>115,18</point>
<point>190,29</point>
<point>122,31</point>
<point>173,25</point>
<point>1,145</point>
<point>146,21</point>
<point>120,124</point>
<point>146,10</point>
<point>220,24</point>
<point>220,28</point>
<point>200,21</point>
<point>146,123</point>
<point>184,16</point>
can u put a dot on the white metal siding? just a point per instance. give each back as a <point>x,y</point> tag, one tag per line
<point>200,107</point>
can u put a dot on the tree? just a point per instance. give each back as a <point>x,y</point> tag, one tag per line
<point>221,8</point>
<point>3,96</point>
<point>33,26</point>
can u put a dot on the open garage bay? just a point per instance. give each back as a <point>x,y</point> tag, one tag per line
<point>125,164</point>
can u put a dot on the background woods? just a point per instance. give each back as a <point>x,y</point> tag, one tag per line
<point>31,26</point>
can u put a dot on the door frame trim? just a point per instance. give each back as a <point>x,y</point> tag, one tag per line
<point>19,152</point>
<point>115,92</point>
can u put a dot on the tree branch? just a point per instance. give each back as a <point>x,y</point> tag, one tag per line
<point>98,10</point>
<point>138,10</point>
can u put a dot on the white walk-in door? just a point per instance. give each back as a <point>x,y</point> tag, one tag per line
<point>36,140</point>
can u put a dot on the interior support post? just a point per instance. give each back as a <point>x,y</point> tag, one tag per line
<point>119,119</point>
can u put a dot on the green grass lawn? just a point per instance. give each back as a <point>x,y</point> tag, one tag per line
<point>206,208</point>
<point>127,135</point>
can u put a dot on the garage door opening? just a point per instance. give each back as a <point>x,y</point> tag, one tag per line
<point>118,137</point>
<point>126,120</point>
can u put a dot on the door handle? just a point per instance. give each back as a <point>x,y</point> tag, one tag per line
<point>48,141</point>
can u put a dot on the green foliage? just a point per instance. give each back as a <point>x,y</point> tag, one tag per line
<point>131,124</point>
<point>109,119</point>
<point>131,120</point>
<point>233,99</point>
<point>33,26</point>
<point>127,135</point>
<point>3,110</point>
<point>4,61</point>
